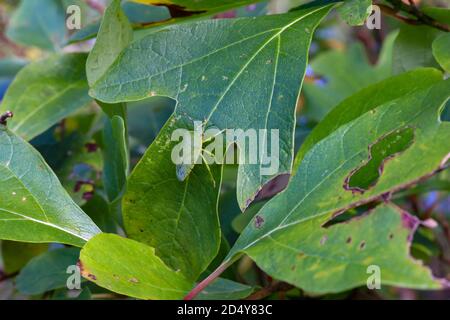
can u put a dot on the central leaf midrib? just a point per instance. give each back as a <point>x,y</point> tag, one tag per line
<point>47,102</point>
<point>280,31</point>
<point>36,220</point>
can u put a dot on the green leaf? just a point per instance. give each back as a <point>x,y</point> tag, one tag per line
<point>368,99</point>
<point>231,57</point>
<point>34,207</point>
<point>412,48</point>
<point>17,254</point>
<point>130,268</point>
<point>46,92</point>
<point>335,259</point>
<point>114,35</point>
<point>224,289</point>
<point>355,12</point>
<point>286,228</point>
<point>441,51</point>
<point>187,235</point>
<point>47,271</point>
<point>38,23</point>
<point>115,154</point>
<point>343,73</point>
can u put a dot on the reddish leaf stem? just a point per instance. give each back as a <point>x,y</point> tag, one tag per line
<point>207,281</point>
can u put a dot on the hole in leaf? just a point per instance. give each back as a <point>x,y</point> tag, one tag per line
<point>362,245</point>
<point>384,149</point>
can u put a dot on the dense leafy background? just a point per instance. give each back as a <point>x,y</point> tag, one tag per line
<point>85,171</point>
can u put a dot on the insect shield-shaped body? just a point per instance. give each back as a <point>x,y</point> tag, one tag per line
<point>190,151</point>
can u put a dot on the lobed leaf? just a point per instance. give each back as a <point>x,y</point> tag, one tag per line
<point>224,58</point>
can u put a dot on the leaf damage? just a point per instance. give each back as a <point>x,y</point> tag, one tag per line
<point>381,151</point>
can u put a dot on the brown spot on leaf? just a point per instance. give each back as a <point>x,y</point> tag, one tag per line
<point>362,245</point>
<point>134,280</point>
<point>85,273</point>
<point>92,277</point>
<point>259,221</point>
<point>349,240</point>
<point>91,147</point>
<point>323,240</point>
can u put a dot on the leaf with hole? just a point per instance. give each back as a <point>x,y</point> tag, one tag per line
<point>317,192</point>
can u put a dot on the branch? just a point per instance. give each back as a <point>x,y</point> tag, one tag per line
<point>421,18</point>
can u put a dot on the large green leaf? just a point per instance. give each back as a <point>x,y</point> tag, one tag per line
<point>408,133</point>
<point>441,51</point>
<point>144,276</point>
<point>34,207</point>
<point>367,99</point>
<point>166,214</point>
<point>45,92</point>
<point>47,271</point>
<point>131,268</point>
<point>334,259</point>
<point>223,58</point>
